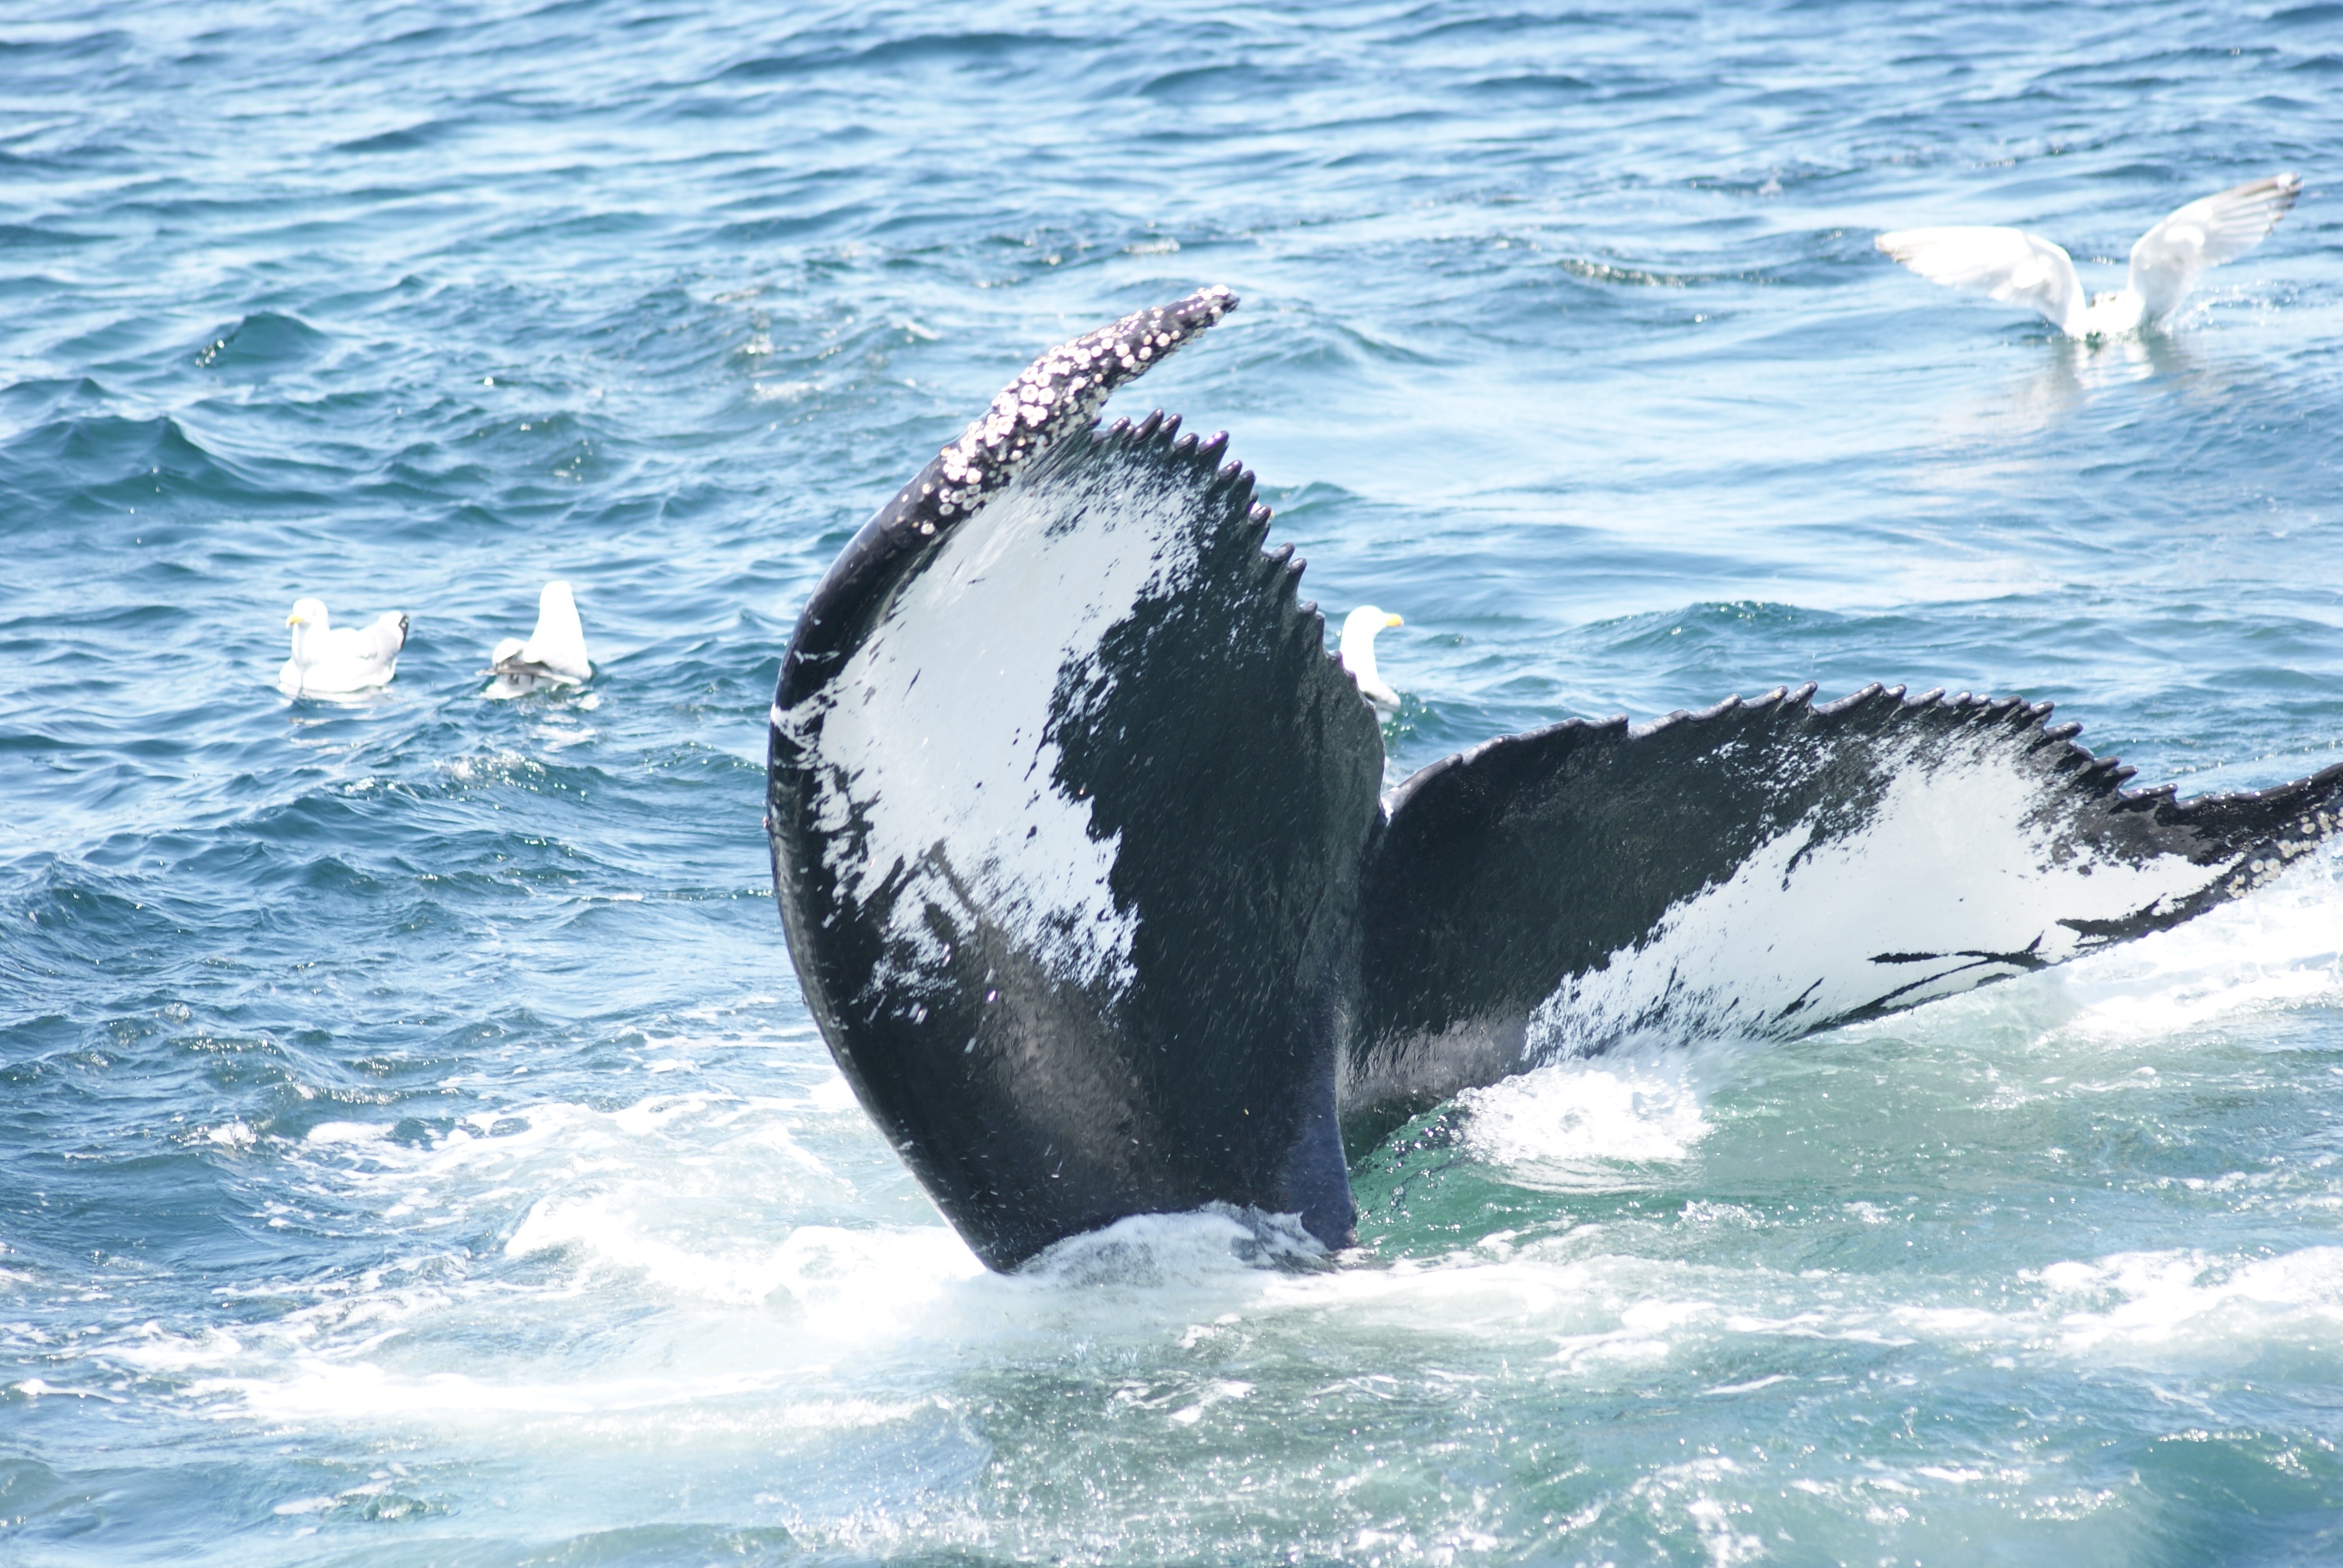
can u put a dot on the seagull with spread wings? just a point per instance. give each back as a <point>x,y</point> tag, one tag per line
<point>2021,268</point>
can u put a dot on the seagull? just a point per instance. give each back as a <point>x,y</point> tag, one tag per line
<point>1359,653</point>
<point>554,655</point>
<point>2021,268</point>
<point>329,659</point>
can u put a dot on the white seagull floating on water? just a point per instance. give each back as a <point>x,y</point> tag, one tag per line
<point>1359,631</point>
<point>554,655</point>
<point>2021,268</point>
<point>334,660</point>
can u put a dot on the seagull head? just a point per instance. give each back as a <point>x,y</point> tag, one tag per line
<point>308,612</point>
<point>1359,628</point>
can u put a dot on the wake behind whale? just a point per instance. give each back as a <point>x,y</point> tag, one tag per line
<point>1079,849</point>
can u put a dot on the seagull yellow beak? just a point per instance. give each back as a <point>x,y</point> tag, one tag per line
<point>292,620</point>
<point>1393,620</point>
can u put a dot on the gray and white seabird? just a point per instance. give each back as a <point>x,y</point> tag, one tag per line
<point>2017,267</point>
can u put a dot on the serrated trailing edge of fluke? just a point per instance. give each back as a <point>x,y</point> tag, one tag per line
<point>2108,773</point>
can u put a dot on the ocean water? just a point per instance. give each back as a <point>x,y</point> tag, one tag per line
<point>413,1147</point>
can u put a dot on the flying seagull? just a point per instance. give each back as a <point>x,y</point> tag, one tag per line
<point>2021,268</point>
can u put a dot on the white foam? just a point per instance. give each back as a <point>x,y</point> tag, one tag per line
<point>325,1390</point>
<point>716,1268</point>
<point>610,1228</point>
<point>2275,951</point>
<point>330,1132</point>
<point>773,1323</point>
<point>1692,1486</point>
<point>1568,1121</point>
<point>1214,1242</point>
<point>2188,1307</point>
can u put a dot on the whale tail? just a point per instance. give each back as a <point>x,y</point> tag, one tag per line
<point>1078,848</point>
<point>1766,870</point>
<point>1068,810</point>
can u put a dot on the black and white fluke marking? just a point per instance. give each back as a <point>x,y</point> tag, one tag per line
<point>1078,844</point>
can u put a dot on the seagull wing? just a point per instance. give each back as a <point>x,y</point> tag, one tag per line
<point>516,660</point>
<point>1764,869</point>
<point>2012,265</point>
<point>378,644</point>
<point>2169,258</point>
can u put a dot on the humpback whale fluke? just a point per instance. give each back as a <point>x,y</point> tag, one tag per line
<point>1078,845</point>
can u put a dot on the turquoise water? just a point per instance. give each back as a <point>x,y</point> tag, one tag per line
<point>413,1149</point>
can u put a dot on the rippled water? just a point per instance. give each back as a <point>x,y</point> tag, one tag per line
<point>413,1147</point>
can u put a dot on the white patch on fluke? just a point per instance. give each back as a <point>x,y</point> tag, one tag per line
<point>933,753</point>
<point>1964,856</point>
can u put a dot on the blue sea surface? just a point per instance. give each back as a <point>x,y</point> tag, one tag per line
<point>413,1147</point>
